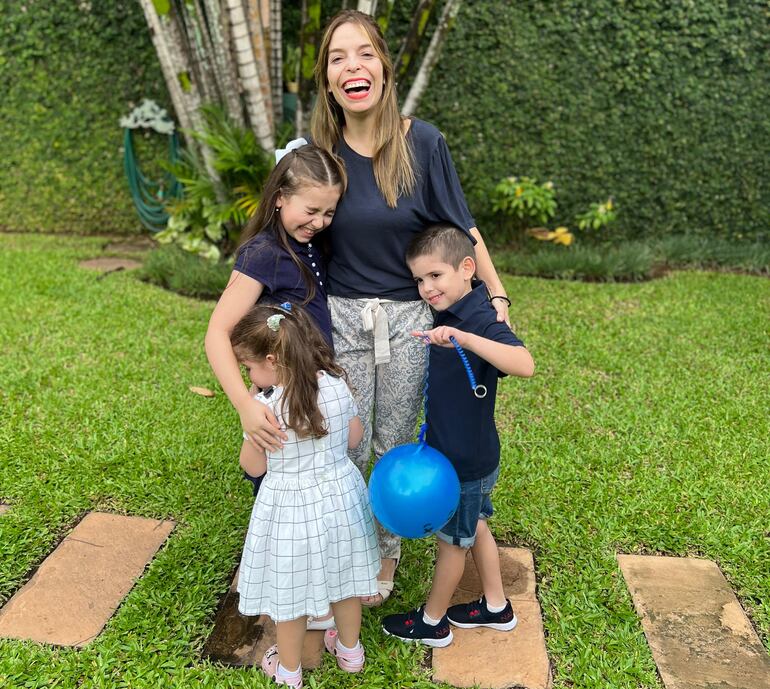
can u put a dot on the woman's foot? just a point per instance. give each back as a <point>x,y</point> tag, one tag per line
<point>384,583</point>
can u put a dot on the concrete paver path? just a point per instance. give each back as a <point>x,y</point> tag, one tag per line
<point>79,586</point>
<point>699,635</point>
<point>498,660</point>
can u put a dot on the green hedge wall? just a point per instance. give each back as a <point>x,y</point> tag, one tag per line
<point>68,72</point>
<point>663,104</point>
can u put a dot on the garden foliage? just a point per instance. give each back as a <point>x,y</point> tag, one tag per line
<point>661,104</point>
<point>68,72</point>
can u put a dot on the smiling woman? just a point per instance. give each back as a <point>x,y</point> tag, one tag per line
<point>401,180</point>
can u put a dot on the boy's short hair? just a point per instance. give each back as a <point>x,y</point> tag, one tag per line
<point>444,240</point>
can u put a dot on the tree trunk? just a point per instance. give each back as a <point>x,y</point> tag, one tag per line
<point>167,35</point>
<point>261,55</point>
<point>367,6</point>
<point>410,46</point>
<point>196,37</point>
<point>170,57</point>
<point>226,74</point>
<point>259,112</point>
<point>445,22</point>
<point>276,59</point>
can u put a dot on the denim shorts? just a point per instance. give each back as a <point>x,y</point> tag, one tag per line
<point>475,504</point>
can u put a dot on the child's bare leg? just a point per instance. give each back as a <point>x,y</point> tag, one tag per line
<point>291,635</point>
<point>449,570</point>
<point>487,559</point>
<point>347,615</point>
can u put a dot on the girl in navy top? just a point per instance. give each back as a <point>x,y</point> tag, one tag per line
<point>278,262</point>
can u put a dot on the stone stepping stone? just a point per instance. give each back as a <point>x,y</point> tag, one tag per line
<point>240,640</point>
<point>500,659</point>
<point>110,265</point>
<point>4,508</point>
<point>79,586</point>
<point>699,635</point>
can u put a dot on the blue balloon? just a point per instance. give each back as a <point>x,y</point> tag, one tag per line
<point>414,490</point>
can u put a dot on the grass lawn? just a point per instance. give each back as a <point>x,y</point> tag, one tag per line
<point>644,430</point>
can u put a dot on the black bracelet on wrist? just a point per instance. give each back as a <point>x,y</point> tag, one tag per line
<point>500,296</point>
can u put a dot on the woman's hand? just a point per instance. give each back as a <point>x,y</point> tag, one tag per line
<point>501,307</point>
<point>261,427</point>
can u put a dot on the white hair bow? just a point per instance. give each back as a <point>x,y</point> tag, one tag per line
<point>296,143</point>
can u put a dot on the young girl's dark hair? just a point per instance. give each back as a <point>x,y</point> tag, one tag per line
<point>305,166</point>
<point>300,351</point>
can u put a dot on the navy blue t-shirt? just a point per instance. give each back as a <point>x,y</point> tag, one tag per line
<point>369,239</point>
<point>265,260</point>
<point>460,425</point>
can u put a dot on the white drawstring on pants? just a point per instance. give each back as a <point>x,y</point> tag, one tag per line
<point>375,319</point>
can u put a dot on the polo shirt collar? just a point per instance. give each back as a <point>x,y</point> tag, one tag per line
<point>469,304</point>
<point>299,247</point>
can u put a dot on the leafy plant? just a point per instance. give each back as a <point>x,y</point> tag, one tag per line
<point>529,206</point>
<point>597,216</point>
<point>207,219</point>
<point>291,67</point>
<point>524,201</point>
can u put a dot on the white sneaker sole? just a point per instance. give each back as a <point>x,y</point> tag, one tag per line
<point>500,627</point>
<point>433,643</point>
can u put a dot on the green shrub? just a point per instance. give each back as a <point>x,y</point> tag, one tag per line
<point>662,103</point>
<point>180,271</point>
<point>702,252</point>
<point>630,262</point>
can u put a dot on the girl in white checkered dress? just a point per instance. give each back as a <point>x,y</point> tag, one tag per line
<point>311,542</point>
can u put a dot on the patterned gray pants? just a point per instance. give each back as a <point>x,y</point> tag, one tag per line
<point>388,395</point>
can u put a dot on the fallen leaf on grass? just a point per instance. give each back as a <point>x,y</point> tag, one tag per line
<point>204,392</point>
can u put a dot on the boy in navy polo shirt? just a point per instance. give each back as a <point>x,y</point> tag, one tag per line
<point>462,426</point>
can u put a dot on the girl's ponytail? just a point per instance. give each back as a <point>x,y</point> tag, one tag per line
<point>300,351</point>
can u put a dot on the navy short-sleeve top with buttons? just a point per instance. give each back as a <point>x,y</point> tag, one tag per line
<point>266,261</point>
<point>369,239</point>
<point>460,425</point>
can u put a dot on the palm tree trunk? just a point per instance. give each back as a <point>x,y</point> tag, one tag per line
<point>258,111</point>
<point>276,59</point>
<point>261,50</point>
<point>367,6</point>
<point>170,56</point>
<point>225,73</point>
<point>445,22</point>
<point>173,54</point>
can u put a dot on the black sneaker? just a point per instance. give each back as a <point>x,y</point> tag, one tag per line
<point>476,614</point>
<point>410,626</point>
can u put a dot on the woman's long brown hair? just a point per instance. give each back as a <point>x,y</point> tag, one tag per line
<point>393,159</point>
<point>300,351</point>
<point>302,167</point>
